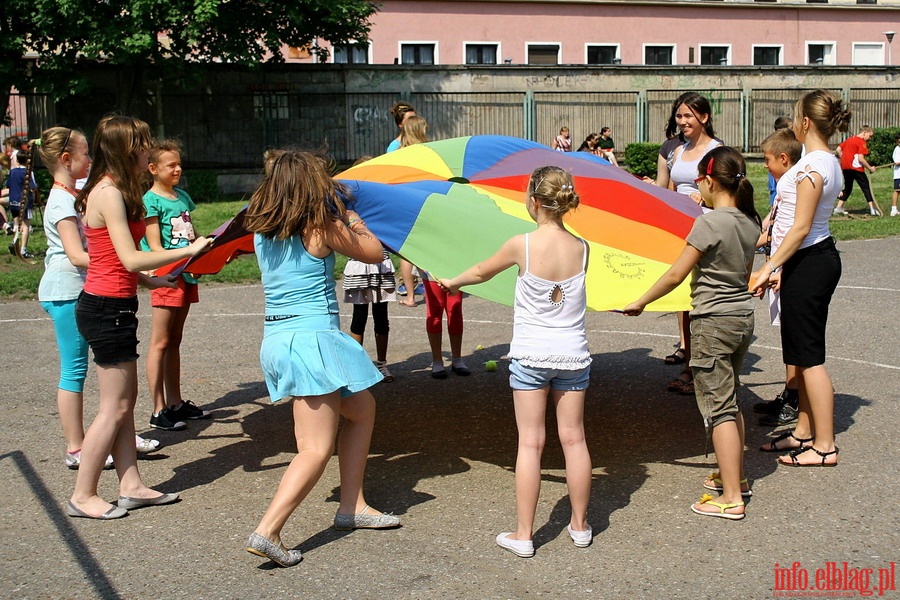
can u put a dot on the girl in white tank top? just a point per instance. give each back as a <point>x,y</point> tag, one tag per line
<point>549,349</point>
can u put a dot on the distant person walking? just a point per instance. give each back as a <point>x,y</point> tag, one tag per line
<point>853,152</point>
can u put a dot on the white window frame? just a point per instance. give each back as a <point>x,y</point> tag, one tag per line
<point>832,60</point>
<point>558,51</point>
<point>615,45</point>
<point>780,53</point>
<point>674,48</point>
<point>465,46</point>
<point>857,44</point>
<point>437,49</point>
<point>727,47</point>
<point>369,53</point>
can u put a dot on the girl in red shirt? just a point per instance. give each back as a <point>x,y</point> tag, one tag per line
<point>113,216</point>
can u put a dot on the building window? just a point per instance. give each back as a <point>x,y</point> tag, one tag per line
<point>820,53</point>
<point>714,55</point>
<point>481,54</point>
<point>766,56</point>
<point>543,54</point>
<point>357,54</point>
<point>868,54</point>
<point>659,55</point>
<point>817,1</point>
<point>867,1</point>
<point>602,55</point>
<point>417,54</point>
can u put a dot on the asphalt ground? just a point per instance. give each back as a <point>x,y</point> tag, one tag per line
<point>442,458</point>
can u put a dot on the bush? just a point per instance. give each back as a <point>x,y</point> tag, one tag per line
<point>203,186</point>
<point>881,146</point>
<point>641,159</point>
<point>44,181</point>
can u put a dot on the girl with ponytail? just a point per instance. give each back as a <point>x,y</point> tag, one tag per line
<point>719,252</point>
<point>806,269</point>
<point>23,192</point>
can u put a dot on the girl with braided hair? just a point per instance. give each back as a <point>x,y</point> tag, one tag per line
<point>548,352</point>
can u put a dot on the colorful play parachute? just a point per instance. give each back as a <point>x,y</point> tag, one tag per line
<point>231,240</point>
<point>447,205</point>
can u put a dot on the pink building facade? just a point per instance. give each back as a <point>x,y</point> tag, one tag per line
<point>596,32</point>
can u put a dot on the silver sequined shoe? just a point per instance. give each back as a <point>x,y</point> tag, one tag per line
<point>363,521</point>
<point>279,555</point>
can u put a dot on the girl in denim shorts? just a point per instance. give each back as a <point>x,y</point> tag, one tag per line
<point>548,352</point>
<point>719,253</point>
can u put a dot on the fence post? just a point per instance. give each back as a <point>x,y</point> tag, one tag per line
<point>640,108</point>
<point>745,121</point>
<point>529,116</point>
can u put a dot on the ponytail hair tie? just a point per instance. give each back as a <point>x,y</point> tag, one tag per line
<point>36,141</point>
<point>739,176</point>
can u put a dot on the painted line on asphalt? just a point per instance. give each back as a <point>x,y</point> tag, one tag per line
<point>863,287</point>
<point>489,322</point>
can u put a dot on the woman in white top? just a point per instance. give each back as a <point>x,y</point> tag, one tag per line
<point>548,352</point>
<point>693,117</point>
<point>806,269</point>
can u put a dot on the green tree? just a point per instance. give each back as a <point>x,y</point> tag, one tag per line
<point>42,40</point>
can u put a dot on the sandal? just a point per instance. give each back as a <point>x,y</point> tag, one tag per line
<point>796,463</point>
<point>717,484</point>
<point>773,447</point>
<point>722,506</point>
<point>676,358</point>
<point>679,383</point>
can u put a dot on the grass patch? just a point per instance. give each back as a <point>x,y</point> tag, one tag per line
<point>19,281</point>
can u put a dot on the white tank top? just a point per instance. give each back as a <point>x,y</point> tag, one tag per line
<point>548,334</point>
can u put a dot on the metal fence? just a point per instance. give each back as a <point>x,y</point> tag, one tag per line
<point>231,131</point>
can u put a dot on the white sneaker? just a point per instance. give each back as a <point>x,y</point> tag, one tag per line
<point>144,445</point>
<point>839,211</point>
<point>875,212</point>
<point>381,365</point>
<point>894,211</point>
<point>522,548</point>
<point>582,539</point>
<point>73,461</point>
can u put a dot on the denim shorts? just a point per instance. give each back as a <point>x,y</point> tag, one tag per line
<point>536,378</point>
<point>109,325</point>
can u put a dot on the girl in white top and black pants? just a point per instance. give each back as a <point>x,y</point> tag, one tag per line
<point>806,269</point>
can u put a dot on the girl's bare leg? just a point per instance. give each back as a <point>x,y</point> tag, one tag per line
<point>162,318</point>
<point>71,414</point>
<point>570,425</point>
<point>315,426</point>
<point>172,362</point>
<point>358,411</point>
<point>530,408</point>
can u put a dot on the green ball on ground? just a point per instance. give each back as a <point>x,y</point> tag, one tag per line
<point>490,365</point>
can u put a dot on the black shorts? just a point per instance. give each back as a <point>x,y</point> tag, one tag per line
<point>109,325</point>
<point>16,212</point>
<point>807,284</point>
